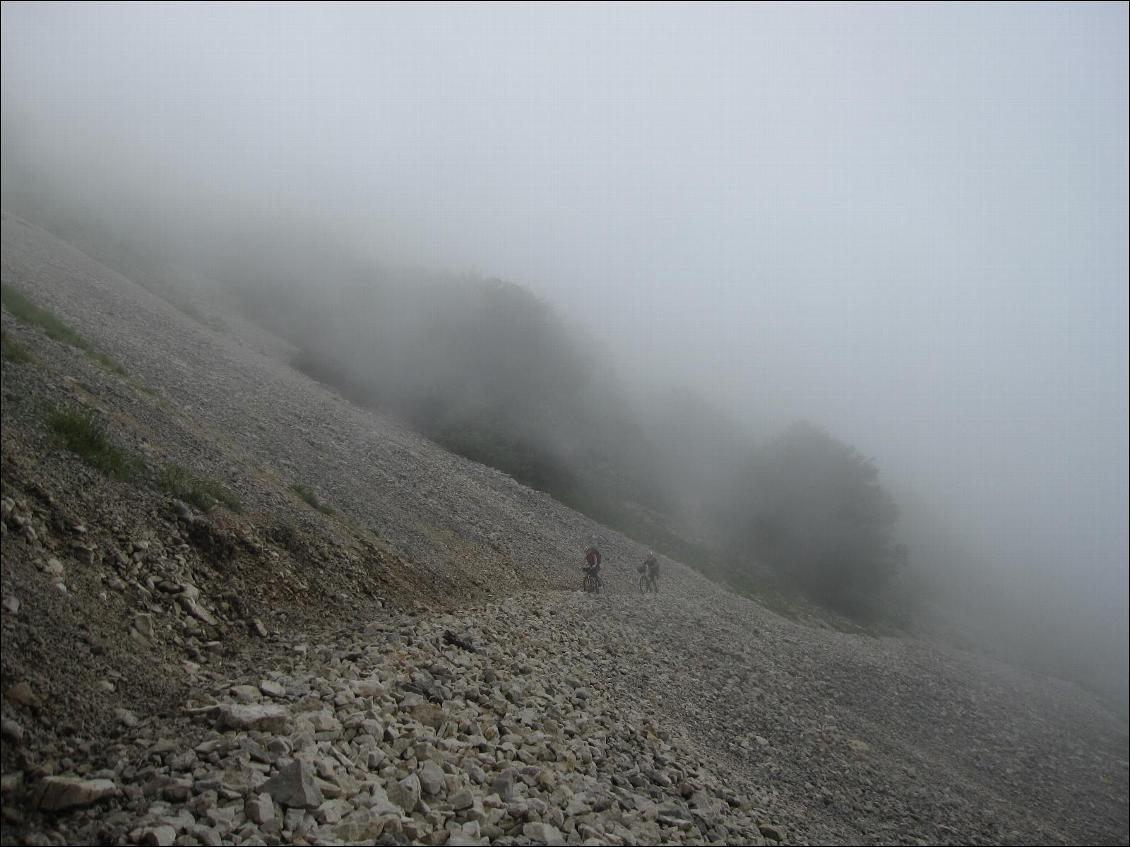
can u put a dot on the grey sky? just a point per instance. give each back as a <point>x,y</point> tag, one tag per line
<point>908,223</point>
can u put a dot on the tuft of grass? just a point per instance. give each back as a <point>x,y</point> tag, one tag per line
<point>312,499</point>
<point>12,350</point>
<point>106,362</point>
<point>82,433</point>
<point>204,494</point>
<point>23,309</point>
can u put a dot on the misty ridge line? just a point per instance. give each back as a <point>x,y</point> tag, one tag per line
<point>492,372</point>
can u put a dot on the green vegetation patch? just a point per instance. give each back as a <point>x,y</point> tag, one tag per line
<point>106,362</point>
<point>201,493</point>
<point>82,433</point>
<point>312,499</point>
<point>12,350</point>
<point>23,309</point>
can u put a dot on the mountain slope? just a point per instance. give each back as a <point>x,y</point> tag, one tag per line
<point>430,618</point>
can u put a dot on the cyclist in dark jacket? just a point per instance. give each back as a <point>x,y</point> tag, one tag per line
<point>592,568</point>
<point>651,565</point>
<point>593,559</point>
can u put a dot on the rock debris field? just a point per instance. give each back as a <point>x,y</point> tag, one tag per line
<point>414,664</point>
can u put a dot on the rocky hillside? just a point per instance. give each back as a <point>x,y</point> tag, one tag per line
<point>239,610</point>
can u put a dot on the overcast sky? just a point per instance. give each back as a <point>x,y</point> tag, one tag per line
<point>907,223</point>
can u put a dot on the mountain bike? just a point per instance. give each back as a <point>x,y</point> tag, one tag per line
<point>648,583</point>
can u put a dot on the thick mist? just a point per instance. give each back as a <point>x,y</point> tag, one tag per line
<point>906,224</point>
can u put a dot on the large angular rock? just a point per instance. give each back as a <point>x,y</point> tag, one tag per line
<point>265,717</point>
<point>362,826</point>
<point>772,831</point>
<point>431,778</point>
<point>325,722</point>
<point>144,625</point>
<point>406,793</point>
<point>332,811</point>
<point>196,610</point>
<point>272,688</point>
<point>245,694</point>
<point>294,786</point>
<point>61,792</point>
<point>463,799</point>
<point>260,809</point>
<point>543,833</point>
<point>368,688</point>
<point>22,694</point>
<point>54,570</point>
